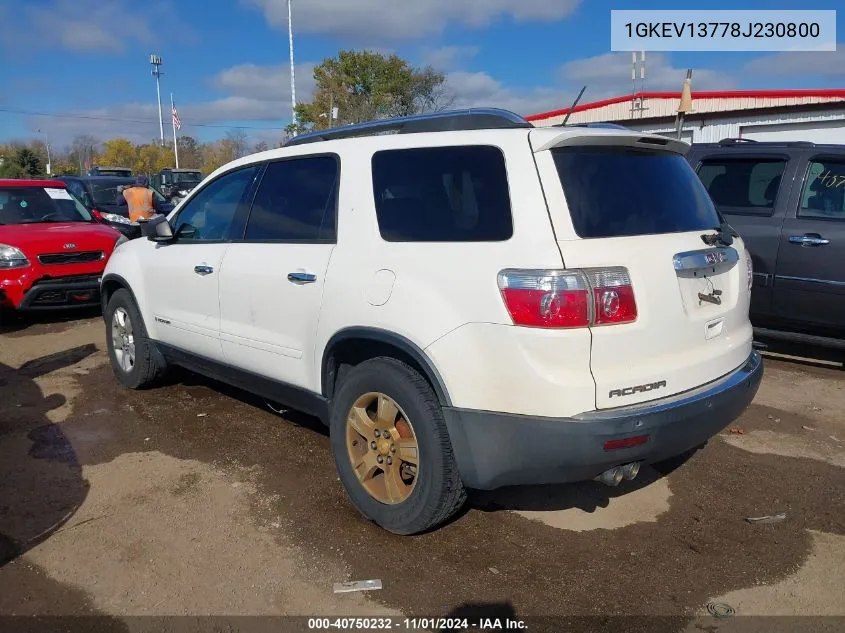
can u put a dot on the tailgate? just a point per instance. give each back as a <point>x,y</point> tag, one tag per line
<point>629,205</point>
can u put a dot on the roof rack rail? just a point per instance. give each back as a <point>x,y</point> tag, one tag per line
<point>735,141</point>
<point>452,120</point>
<point>609,126</point>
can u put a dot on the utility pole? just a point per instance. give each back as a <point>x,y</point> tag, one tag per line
<point>47,147</point>
<point>292,71</point>
<point>155,60</point>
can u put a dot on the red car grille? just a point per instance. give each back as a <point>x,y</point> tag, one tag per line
<point>71,258</point>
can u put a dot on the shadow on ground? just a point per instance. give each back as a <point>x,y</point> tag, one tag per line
<point>42,478</point>
<point>21,323</point>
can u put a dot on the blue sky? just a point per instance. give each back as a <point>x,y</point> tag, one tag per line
<point>226,61</point>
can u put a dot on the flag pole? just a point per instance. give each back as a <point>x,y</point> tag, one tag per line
<point>173,123</point>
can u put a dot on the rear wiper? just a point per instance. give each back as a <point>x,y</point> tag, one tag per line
<point>724,235</point>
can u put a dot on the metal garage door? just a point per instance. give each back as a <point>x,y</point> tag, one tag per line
<point>814,131</point>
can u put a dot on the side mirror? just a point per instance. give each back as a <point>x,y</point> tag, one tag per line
<point>157,229</point>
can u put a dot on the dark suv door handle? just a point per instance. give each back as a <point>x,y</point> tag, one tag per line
<point>203,270</point>
<point>302,278</point>
<point>808,240</point>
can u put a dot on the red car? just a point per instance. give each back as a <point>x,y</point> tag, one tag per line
<point>52,250</point>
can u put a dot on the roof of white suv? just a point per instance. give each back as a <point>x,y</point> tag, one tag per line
<point>472,126</point>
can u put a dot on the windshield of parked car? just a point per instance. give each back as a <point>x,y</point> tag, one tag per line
<point>104,190</point>
<point>33,205</point>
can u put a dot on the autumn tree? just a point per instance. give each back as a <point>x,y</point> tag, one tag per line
<point>364,85</point>
<point>119,152</point>
<point>190,152</point>
<point>260,146</point>
<point>152,158</point>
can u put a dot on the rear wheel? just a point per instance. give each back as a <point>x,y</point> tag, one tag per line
<point>130,351</point>
<point>392,449</point>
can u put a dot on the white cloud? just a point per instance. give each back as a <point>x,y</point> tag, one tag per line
<point>807,63</point>
<point>480,89</point>
<point>449,57</point>
<point>391,20</point>
<point>89,25</point>
<point>266,82</point>
<point>609,75</point>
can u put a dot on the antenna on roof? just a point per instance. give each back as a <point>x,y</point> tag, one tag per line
<point>572,107</point>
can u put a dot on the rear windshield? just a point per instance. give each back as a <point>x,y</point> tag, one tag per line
<point>619,191</point>
<point>34,205</point>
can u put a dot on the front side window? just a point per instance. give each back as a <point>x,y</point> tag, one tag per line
<point>210,215</point>
<point>442,194</point>
<point>296,201</point>
<point>743,185</point>
<point>824,190</point>
<point>39,205</point>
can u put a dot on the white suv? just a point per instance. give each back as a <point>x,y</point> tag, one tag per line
<point>467,302</point>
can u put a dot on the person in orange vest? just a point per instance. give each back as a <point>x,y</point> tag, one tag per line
<point>140,199</point>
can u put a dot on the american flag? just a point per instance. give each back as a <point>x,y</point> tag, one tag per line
<point>177,123</point>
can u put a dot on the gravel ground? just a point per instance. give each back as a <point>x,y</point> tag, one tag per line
<point>195,499</point>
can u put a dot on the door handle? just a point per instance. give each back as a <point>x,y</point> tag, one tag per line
<point>808,240</point>
<point>302,278</point>
<point>203,270</point>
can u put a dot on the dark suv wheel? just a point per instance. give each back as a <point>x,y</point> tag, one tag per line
<point>130,351</point>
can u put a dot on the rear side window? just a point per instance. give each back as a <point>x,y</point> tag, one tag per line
<point>746,186</point>
<point>442,194</point>
<point>824,190</point>
<point>296,201</point>
<point>620,191</point>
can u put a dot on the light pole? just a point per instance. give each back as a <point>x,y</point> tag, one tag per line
<point>47,146</point>
<point>155,60</point>
<point>292,72</point>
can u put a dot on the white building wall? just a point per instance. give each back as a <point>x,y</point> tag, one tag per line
<point>714,130</point>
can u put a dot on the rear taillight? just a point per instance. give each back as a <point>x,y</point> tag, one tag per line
<point>568,298</point>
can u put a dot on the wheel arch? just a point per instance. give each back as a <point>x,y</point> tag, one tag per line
<point>356,344</point>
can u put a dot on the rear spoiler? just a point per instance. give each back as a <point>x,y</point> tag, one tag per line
<point>542,140</point>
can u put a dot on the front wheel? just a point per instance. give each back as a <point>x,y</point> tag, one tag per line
<point>130,351</point>
<point>392,449</point>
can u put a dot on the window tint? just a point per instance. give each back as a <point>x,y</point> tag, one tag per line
<point>746,186</point>
<point>619,191</point>
<point>211,213</point>
<point>39,205</point>
<point>442,194</point>
<point>824,190</point>
<point>295,201</point>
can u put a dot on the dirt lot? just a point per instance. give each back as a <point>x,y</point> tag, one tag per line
<point>195,499</point>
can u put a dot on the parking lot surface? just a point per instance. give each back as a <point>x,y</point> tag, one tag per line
<point>195,498</point>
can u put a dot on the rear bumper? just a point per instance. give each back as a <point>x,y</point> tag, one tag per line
<point>495,449</point>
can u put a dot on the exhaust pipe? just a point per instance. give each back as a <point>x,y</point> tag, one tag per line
<point>613,476</point>
<point>630,471</point>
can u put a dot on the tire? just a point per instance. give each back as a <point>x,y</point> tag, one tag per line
<point>437,491</point>
<point>143,371</point>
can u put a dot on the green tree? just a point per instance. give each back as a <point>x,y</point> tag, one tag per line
<point>22,162</point>
<point>119,152</point>
<point>365,85</point>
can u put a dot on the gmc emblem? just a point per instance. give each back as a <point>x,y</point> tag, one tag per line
<point>630,391</point>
